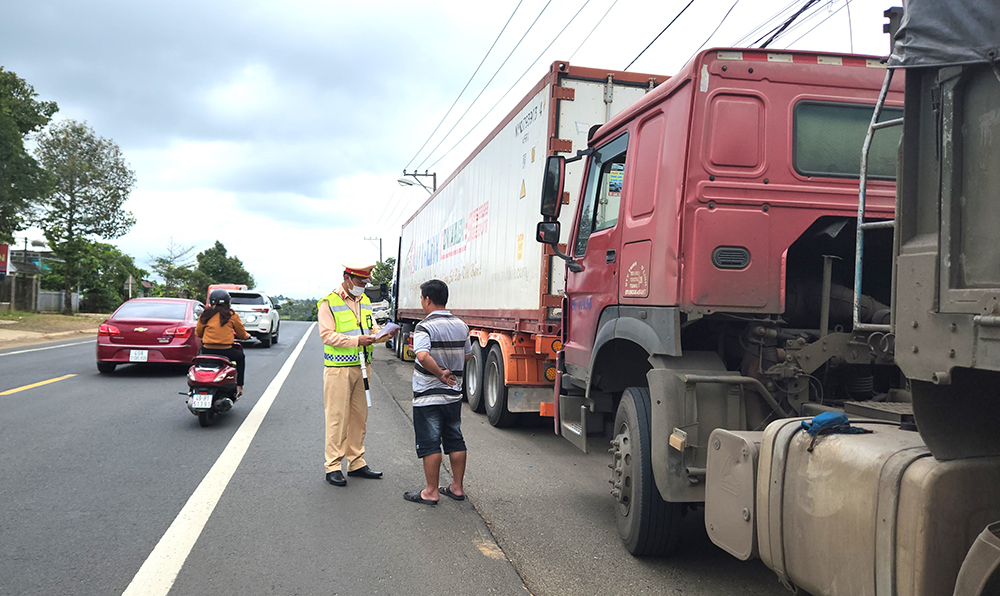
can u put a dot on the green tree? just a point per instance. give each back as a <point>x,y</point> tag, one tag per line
<point>177,270</point>
<point>91,184</point>
<point>383,272</point>
<point>103,275</point>
<point>22,181</point>
<point>220,268</point>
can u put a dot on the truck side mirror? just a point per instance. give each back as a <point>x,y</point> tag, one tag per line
<point>547,232</point>
<point>552,186</point>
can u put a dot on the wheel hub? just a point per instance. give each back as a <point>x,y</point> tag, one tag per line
<point>491,381</point>
<point>621,469</point>
<point>472,377</point>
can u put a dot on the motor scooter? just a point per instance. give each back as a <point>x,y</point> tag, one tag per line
<point>211,387</point>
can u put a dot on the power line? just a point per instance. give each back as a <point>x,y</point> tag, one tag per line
<point>763,24</point>
<point>818,24</point>
<point>773,29</point>
<point>592,31</point>
<point>658,36</point>
<point>429,137</point>
<point>787,23</point>
<point>805,21</point>
<point>421,164</point>
<point>488,112</point>
<point>715,30</point>
<point>850,26</point>
<point>392,198</point>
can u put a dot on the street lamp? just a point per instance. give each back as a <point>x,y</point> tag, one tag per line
<point>404,181</point>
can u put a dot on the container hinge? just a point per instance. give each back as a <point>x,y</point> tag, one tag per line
<point>563,93</point>
<point>560,145</point>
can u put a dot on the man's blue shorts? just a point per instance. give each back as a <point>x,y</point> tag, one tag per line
<point>437,425</point>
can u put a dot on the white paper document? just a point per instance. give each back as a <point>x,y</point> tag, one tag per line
<point>389,328</point>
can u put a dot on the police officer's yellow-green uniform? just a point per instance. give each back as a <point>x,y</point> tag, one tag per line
<point>343,319</point>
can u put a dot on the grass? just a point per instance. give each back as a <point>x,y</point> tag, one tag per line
<point>49,323</point>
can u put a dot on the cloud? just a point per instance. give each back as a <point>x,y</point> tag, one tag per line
<point>279,128</point>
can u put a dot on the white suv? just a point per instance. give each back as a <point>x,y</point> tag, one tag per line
<point>258,313</point>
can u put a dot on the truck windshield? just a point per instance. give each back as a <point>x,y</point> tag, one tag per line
<point>600,202</point>
<point>828,138</point>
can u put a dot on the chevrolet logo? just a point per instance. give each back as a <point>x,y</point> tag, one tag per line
<point>140,329</point>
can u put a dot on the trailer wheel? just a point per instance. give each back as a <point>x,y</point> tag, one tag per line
<point>496,391</point>
<point>473,385</point>
<point>647,524</point>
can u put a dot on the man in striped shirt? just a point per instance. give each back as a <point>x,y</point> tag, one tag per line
<point>442,346</point>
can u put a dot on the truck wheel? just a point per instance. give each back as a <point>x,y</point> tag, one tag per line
<point>473,385</point>
<point>647,524</point>
<point>495,390</point>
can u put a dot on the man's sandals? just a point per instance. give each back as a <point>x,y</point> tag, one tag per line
<point>414,495</point>
<point>446,491</point>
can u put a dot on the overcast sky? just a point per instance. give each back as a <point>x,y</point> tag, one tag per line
<point>280,128</point>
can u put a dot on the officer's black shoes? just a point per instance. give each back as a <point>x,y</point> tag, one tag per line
<point>336,478</point>
<point>365,472</point>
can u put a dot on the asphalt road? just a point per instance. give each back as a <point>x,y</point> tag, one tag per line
<point>96,468</point>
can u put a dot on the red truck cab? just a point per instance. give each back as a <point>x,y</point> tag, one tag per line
<point>707,211</point>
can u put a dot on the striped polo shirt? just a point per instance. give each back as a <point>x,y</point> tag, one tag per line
<point>446,338</point>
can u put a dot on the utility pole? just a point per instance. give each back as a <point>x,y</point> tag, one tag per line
<point>379,247</point>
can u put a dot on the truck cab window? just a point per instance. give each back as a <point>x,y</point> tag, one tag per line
<point>601,200</point>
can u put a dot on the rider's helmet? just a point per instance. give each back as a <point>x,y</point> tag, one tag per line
<point>218,297</point>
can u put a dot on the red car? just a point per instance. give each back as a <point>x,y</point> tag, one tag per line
<point>159,330</point>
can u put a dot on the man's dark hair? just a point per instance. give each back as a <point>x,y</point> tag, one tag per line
<point>435,290</point>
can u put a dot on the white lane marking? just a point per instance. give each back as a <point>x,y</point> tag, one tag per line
<point>159,571</point>
<point>79,343</point>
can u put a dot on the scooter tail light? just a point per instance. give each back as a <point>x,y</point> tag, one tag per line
<point>221,377</point>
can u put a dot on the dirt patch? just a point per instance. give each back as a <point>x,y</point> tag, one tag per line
<point>50,323</point>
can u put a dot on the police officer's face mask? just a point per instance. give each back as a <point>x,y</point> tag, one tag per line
<point>357,290</point>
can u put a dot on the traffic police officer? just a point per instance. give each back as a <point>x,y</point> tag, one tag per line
<point>348,332</point>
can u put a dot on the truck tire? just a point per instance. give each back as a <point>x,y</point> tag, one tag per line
<point>495,390</point>
<point>473,385</point>
<point>404,335</point>
<point>647,524</point>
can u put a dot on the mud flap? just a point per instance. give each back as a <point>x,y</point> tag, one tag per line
<point>694,409</point>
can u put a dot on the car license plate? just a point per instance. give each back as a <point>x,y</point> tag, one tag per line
<point>201,400</point>
<point>138,355</point>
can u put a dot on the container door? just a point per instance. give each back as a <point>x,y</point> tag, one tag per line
<point>595,246</point>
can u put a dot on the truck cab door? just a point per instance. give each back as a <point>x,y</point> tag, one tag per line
<point>595,245</point>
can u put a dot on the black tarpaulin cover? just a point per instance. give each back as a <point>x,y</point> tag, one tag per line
<point>947,32</point>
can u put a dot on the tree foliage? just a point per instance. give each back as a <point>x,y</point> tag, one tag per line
<point>23,182</point>
<point>297,310</point>
<point>91,184</point>
<point>177,271</point>
<point>103,276</point>
<point>183,278</point>
<point>221,268</point>
<point>383,272</point>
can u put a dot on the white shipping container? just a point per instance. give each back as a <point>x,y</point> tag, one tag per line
<point>476,233</point>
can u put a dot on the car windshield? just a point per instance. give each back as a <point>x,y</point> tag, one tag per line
<point>246,298</point>
<point>152,310</point>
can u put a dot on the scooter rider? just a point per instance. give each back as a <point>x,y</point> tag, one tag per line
<point>219,327</point>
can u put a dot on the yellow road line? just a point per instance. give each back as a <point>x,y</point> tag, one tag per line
<point>33,385</point>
